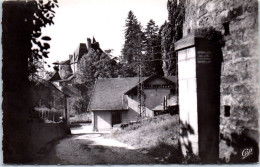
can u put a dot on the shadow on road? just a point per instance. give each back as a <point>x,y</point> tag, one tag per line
<point>90,150</point>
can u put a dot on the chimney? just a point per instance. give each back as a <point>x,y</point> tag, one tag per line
<point>97,44</point>
<point>88,43</point>
<point>93,40</point>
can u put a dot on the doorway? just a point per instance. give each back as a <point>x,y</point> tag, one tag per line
<point>116,117</point>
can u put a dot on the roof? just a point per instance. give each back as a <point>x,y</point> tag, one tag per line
<point>170,102</point>
<point>56,63</point>
<point>171,79</point>
<point>55,77</point>
<point>108,93</point>
<point>65,62</point>
<point>46,84</point>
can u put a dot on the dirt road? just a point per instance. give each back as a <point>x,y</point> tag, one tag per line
<point>91,149</point>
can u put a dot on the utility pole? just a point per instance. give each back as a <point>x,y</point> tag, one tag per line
<point>140,91</point>
<point>140,87</point>
<point>139,94</point>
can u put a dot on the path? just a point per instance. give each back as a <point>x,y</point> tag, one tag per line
<point>91,149</point>
<point>84,128</point>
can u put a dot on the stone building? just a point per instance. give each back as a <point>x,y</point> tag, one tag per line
<point>64,74</point>
<point>76,56</point>
<point>237,22</point>
<point>65,70</point>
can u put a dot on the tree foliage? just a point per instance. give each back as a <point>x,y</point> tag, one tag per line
<point>21,24</point>
<point>171,32</point>
<point>133,45</point>
<point>43,15</point>
<point>141,45</point>
<point>93,65</point>
<point>153,63</point>
<point>133,38</point>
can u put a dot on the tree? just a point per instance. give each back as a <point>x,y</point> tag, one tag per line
<point>133,46</point>
<point>152,63</point>
<point>21,25</point>
<point>94,65</point>
<point>171,32</point>
<point>133,38</point>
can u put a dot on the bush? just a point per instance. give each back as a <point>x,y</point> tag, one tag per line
<point>46,115</point>
<point>78,105</point>
<point>81,118</point>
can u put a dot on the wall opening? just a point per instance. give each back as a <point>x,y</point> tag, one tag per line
<point>226,28</point>
<point>227,111</point>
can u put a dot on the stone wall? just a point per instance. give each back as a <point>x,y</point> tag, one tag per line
<point>238,23</point>
<point>43,133</point>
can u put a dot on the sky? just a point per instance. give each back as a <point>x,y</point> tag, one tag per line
<point>77,20</point>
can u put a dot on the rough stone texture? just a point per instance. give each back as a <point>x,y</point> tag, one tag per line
<point>239,73</point>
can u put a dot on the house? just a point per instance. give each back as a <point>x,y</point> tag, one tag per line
<point>64,75</point>
<point>83,48</point>
<point>76,56</point>
<point>115,100</point>
<point>65,70</point>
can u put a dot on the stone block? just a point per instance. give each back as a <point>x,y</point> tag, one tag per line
<point>251,6</point>
<point>226,90</point>
<point>232,14</point>
<point>229,79</point>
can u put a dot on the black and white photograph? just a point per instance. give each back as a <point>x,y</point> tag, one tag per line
<point>130,82</point>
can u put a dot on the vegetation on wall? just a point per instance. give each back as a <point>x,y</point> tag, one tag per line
<point>21,25</point>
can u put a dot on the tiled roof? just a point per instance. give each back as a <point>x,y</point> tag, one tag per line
<point>55,77</point>
<point>108,93</point>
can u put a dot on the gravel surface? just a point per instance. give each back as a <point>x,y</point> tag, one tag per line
<point>91,149</point>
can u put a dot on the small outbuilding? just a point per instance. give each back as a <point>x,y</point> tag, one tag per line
<point>115,100</point>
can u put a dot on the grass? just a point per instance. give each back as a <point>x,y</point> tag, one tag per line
<point>158,136</point>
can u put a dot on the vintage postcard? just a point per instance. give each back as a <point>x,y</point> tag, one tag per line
<point>116,82</point>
